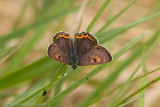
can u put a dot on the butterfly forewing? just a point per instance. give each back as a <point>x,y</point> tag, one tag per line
<point>63,40</point>
<point>88,50</point>
<point>84,42</point>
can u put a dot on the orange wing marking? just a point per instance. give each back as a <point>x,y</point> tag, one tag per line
<point>62,36</point>
<point>97,47</point>
<point>84,36</point>
<point>54,44</point>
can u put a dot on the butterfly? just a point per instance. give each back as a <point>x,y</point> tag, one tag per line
<point>82,51</point>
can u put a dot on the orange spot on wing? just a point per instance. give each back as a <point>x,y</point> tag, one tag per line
<point>96,46</point>
<point>98,59</point>
<point>62,36</point>
<point>54,44</point>
<point>84,36</point>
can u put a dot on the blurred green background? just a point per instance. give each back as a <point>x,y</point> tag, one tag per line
<point>130,30</point>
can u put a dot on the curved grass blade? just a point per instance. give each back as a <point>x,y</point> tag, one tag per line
<point>145,86</point>
<point>139,77</point>
<point>110,34</point>
<point>33,88</point>
<point>143,82</point>
<point>39,90</point>
<point>97,15</point>
<point>58,73</point>
<point>26,47</point>
<point>21,13</point>
<point>139,90</point>
<point>36,24</point>
<point>128,102</point>
<point>119,93</point>
<point>28,72</point>
<point>111,20</point>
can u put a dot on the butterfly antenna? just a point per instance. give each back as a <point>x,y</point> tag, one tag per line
<point>84,75</point>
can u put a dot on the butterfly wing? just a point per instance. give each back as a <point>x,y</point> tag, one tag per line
<point>60,49</point>
<point>97,55</point>
<point>88,52</point>
<point>84,42</point>
<point>63,40</point>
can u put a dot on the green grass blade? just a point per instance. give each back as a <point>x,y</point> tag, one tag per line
<point>57,91</point>
<point>33,88</point>
<point>36,24</point>
<point>139,77</point>
<point>21,13</point>
<point>118,95</point>
<point>110,34</point>
<point>111,20</point>
<point>128,102</point>
<point>143,82</point>
<point>58,73</point>
<point>39,90</point>
<point>145,86</point>
<point>26,47</point>
<point>139,90</point>
<point>28,72</point>
<point>129,45</point>
<point>47,4</point>
<point>92,73</point>
<point>97,15</point>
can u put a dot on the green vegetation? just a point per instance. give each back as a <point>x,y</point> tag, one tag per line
<point>44,73</point>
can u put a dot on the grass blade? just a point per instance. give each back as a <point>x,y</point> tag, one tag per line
<point>139,90</point>
<point>110,34</point>
<point>128,102</point>
<point>33,88</point>
<point>58,73</point>
<point>118,95</point>
<point>145,86</point>
<point>36,24</point>
<point>143,82</point>
<point>25,49</point>
<point>111,20</point>
<point>21,13</point>
<point>26,73</point>
<point>97,15</point>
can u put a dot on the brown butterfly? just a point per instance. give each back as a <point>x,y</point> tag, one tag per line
<point>82,51</point>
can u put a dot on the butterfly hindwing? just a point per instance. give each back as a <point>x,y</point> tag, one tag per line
<point>55,52</point>
<point>84,42</point>
<point>97,55</point>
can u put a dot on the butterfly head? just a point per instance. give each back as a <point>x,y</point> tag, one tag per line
<point>74,67</point>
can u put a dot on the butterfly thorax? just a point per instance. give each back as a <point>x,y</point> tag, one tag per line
<point>73,57</point>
